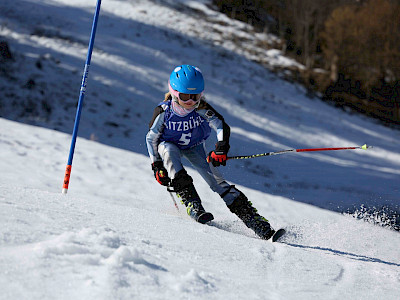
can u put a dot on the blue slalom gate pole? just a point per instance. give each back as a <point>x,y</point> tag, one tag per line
<point>81,97</point>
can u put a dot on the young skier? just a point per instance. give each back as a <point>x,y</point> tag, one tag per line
<point>179,127</point>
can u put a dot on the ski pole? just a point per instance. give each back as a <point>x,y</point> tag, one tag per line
<point>173,199</point>
<point>81,97</point>
<point>162,174</point>
<point>364,147</point>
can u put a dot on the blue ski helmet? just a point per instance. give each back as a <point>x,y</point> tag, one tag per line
<point>187,79</point>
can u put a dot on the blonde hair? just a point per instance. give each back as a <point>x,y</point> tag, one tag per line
<point>167,96</point>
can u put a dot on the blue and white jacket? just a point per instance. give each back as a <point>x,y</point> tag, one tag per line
<point>185,131</point>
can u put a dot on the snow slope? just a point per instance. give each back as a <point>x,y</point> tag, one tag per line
<point>137,45</point>
<point>110,239</point>
<point>117,235</point>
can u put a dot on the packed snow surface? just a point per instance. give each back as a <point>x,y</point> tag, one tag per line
<point>117,234</point>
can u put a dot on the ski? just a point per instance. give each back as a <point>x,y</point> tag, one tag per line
<point>205,218</point>
<point>278,234</point>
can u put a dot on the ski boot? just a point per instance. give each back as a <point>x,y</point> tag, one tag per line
<point>243,208</point>
<point>184,188</point>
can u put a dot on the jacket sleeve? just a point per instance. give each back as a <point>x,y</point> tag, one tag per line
<point>152,138</point>
<point>215,120</point>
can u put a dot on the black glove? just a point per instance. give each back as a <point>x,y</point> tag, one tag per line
<point>160,173</point>
<point>219,155</point>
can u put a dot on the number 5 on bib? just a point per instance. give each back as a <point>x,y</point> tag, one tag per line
<point>185,139</point>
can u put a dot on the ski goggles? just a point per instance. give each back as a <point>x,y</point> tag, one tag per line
<point>186,97</point>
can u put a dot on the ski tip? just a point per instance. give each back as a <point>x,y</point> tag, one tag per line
<point>278,234</point>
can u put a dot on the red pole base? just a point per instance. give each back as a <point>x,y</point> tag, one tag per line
<point>66,179</point>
